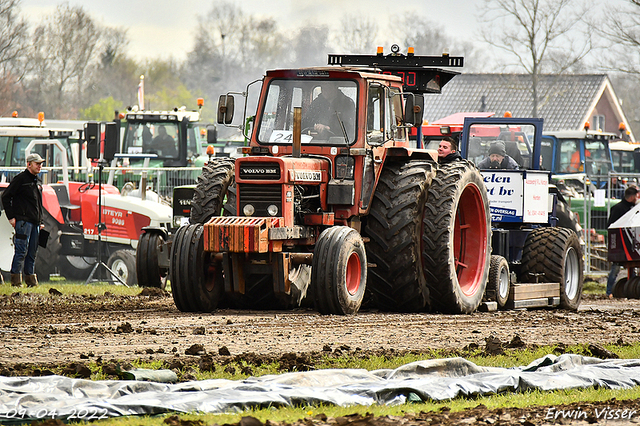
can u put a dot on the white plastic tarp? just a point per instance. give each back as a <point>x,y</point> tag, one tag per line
<point>31,398</point>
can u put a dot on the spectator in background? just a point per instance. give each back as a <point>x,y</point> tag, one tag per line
<point>22,202</point>
<point>448,151</point>
<point>498,158</point>
<point>631,195</point>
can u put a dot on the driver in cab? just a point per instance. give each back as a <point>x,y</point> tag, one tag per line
<point>164,143</point>
<point>327,110</point>
<point>498,158</point>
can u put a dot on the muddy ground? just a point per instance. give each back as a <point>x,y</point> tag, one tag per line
<point>42,332</point>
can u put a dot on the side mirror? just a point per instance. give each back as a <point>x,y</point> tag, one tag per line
<point>225,109</point>
<point>212,135</point>
<point>413,109</point>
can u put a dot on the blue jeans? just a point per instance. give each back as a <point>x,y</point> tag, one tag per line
<point>25,246</point>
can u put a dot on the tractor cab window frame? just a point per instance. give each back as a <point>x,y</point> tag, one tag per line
<point>323,116</point>
<point>143,137</point>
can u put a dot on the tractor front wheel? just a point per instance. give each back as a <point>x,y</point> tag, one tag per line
<point>339,271</point>
<point>196,279</point>
<point>123,264</point>
<point>149,273</point>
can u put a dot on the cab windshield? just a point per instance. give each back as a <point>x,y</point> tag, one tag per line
<point>328,111</point>
<point>596,158</point>
<point>511,141</point>
<point>158,138</point>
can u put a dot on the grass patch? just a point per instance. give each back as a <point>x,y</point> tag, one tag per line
<point>73,287</point>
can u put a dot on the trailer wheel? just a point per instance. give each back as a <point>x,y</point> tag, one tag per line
<point>456,240</point>
<point>47,257</point>
<point>339,271</point>
<point>498,286</point>
<point>149,273</point>
<point>556,254</point>
<point>123,264</point>
<point>211,189</point>
<point>394,229</point>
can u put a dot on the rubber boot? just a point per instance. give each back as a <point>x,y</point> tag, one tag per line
<point>16,280</point>
<point>31,280</point>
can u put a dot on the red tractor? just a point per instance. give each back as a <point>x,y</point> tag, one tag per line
<point>330,198</point>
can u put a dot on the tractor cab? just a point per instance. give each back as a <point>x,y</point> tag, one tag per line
<point>173,136</point>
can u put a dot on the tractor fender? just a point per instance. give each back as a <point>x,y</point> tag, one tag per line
<point>413,153</point>
<point>156,229</point>
<point>51,204</point>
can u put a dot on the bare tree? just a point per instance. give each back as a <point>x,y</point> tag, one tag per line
<point>14,33</point>
<point>64,53</point>
<point>538,35</point>
<point>620,28</point>
<point>356,34</point>
<point>428,38</point>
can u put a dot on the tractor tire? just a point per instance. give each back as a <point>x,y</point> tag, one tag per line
<point>197,284</point>
<point>76,268</point>
<point>618,288</point>
<point>456,251</point>
<point>149,273</point>
<point>499,285</point>
<point>555,253</point>
<point>123,264</point>
<point>230,208</point>
<point>339,271</point>
<point>211,189</point>
<point>179,289</point>
<point>47,257</point>
<point>394,230</point>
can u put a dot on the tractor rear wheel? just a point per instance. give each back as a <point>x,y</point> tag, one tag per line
<point>498,285</point>
<point>123,264</point>
<point>211,189</point>
<point>394,229</point>
<point>149,273</point>
<point>555,253</point>
<point>456,240</point>
<point>618,288</point>
<point>339,271</point>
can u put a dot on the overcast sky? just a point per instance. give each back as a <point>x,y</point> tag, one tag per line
<point>163,28</point>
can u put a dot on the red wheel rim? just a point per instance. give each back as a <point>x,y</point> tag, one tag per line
<point>354,272</point>
<point>471,240</point>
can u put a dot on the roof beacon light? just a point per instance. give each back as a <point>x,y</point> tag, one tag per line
<point>14,114</point>
<point>587,125</point>
<point>379,51</point>
<point>410,51</point>
<point>507,114</point>
<point>200,102</point>
<point>621,126</point>
<point>41,117</point>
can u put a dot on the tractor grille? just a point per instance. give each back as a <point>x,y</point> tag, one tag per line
<point>260,197</point>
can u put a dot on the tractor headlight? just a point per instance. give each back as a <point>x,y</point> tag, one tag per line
<point>272,210</point>
<point>248,210</point>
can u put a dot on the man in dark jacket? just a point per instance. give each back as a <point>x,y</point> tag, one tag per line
<point>22,202</point>
<point>630,198</point>
<point>448,151</point>
<point>328,110</point>
<point>498,158</point>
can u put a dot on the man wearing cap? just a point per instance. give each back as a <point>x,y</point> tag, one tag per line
<point>498,158</point>
<point>22,202</point>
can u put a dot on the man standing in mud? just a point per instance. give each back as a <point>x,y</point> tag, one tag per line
<point>22,202</point>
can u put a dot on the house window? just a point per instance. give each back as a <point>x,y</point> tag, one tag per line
<point>598,122</point>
